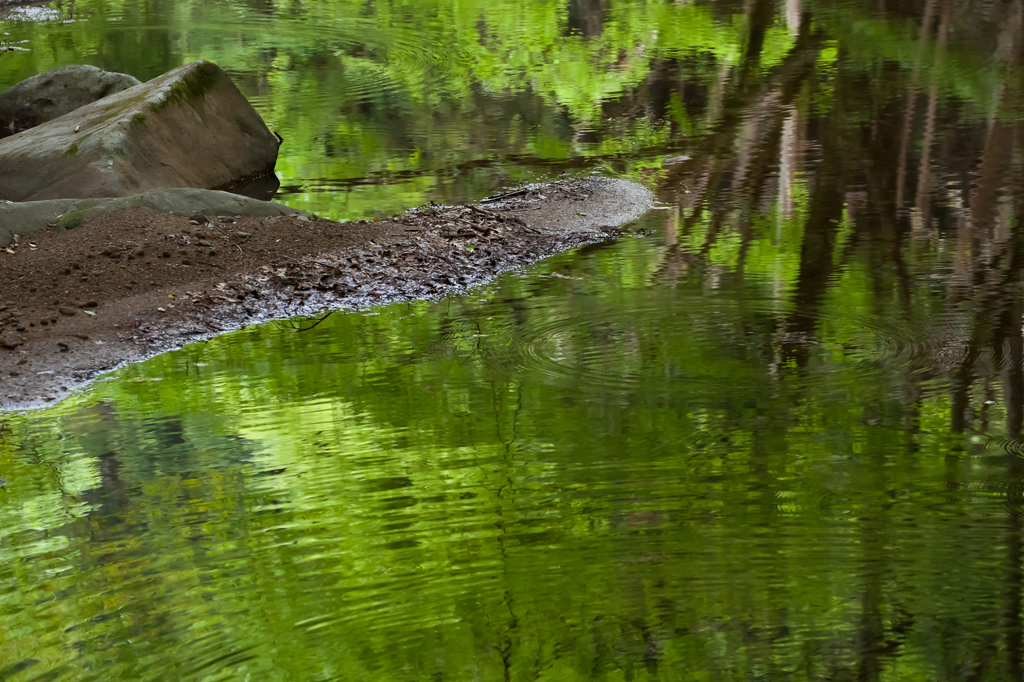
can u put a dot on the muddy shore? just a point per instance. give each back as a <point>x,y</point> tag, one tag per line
<point>134,283</point>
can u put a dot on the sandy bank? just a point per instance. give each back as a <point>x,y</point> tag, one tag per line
<point>133,283</point>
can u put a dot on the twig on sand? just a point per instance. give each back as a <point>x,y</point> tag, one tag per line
<point>506,195</point>
<point>485,212</point>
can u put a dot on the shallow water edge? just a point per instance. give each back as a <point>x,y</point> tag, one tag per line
<point>426,254</point>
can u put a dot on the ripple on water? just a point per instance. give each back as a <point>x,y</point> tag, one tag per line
<point>881,344</point>
<point>624,348</point>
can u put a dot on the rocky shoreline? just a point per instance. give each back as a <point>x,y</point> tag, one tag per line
<point>135,282</point>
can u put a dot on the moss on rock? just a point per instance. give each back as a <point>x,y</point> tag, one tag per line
<point>70,221</point>
<point>192,86</point>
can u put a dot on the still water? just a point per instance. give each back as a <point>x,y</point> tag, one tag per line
<point>777,438</point>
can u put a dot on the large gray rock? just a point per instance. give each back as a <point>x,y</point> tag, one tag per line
<point>44,97</point>
<point>190,127</point>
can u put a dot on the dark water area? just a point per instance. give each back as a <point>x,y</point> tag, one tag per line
<point>779,437</point>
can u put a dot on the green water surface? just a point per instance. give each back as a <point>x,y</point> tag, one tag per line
<point>778,437</point>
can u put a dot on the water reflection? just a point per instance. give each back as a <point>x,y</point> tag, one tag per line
<point>779,436</point>
<point>525,480</point>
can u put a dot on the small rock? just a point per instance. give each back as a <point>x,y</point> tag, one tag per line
<point>44,97</point>
<point>64,310</point>
<point>240,235</point>
<point>63,346</point>
<point>205,242</point>
<point>11,341</point>
<point>83,337</point>
<point>197,217</point>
